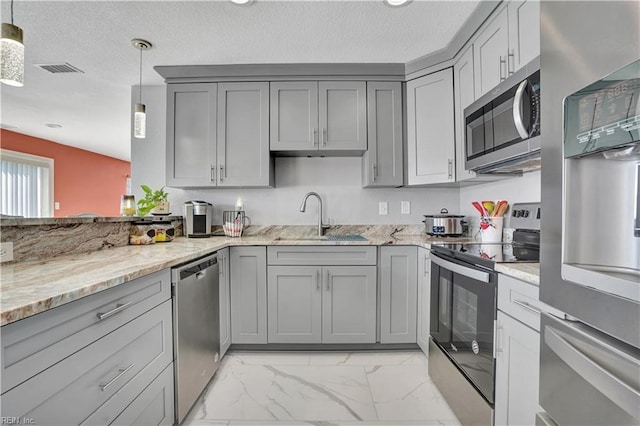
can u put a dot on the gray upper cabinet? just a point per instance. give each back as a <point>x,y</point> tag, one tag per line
<point>294,116</point>
<point>295,304</point>
<point>424,299</point>
<point>398,294</point>
<point>243,135</point>
<point>464,89</point>
<point>382,163</point>
<point>524,32</point>
<point>218,135</point>
<point>349,304</point>
<point>248,294</point>
<point>490,52</point>
<point>326,116</point>
<point>225,301</point>
<point>191,134</point>
<point>430,129</point>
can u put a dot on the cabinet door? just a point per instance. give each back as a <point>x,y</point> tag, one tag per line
<point>517,368</point>
<point>191,134</point>
<point>398,294</point>
<point>490,54</point>
<point>294,116</point>
<point>464,87</point>
<point>524,32</point>
<point>243,135</point>
<point>294,304</point>
<point>349,304</point>
<point>382,162</point>
<point>343,115</point>
<point>248,294</point>
<point>430,129</point>
<point>225,301</point>
<point>424,299</point>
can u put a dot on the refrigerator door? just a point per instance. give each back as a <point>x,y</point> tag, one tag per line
<point>586,377</point>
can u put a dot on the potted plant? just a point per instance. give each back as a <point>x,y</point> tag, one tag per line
<point>153,202</point>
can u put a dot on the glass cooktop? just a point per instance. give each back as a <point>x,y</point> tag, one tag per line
<point>496,252</point>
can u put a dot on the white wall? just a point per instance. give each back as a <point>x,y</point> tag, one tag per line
<point>337,180</point>
<point>524,189</point>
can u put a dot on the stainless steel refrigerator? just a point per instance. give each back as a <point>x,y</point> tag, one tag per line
<point>590,238</point>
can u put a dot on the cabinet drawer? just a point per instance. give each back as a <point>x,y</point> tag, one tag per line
<point>321,255</point>
<point>33,344</point>
<point>106,375</point>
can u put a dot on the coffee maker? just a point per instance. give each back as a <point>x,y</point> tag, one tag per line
<point>198,218</point>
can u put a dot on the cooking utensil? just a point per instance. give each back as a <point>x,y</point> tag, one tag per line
<point>501,208</point>
<point>489,206</point>
<point>479,208</point>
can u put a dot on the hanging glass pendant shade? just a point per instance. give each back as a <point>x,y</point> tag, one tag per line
<point>139,121</point>
<point>12,67</point>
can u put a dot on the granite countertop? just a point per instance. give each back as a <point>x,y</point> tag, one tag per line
<point>528,272</point>
<point>28,288</point>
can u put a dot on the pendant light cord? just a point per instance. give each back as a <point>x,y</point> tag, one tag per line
<point>140,89</point>
<point>11,12</point>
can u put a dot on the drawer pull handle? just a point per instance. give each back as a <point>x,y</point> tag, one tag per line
<point>121,373</point>
<point>527,306</point>
<point>119,307</point>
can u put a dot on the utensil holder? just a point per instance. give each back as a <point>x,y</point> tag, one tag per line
<point>491,229</point>
<point>232,223</point>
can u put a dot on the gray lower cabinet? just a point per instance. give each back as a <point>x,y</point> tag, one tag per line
<point>424,299</point>
<point>398,294</point>
<point>225,301</point>
<point>382,164</point>
<point>322,304</point>
<point>95,384</point>
<point>248,267</point>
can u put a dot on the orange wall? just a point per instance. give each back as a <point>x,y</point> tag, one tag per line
<point>83,181</point>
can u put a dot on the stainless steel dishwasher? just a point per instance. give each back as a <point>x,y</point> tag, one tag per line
<point>196,330</point>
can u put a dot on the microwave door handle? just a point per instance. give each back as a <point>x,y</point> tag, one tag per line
<point>467,272</point>
<point>517,110</point>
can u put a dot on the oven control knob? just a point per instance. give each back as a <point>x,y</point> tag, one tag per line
<point>475,347</point>
<point>525,213</point>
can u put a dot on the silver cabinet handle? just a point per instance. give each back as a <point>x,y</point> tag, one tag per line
<point>502,62</point>
<point>511,64</point>
<point>221,173</point>
<point>450,168</point>
<point>497,332</point>
<point>121,372</point>
<point>517,110</point>
<point>119,307</point>
<point>527,306</point>
<point>213,174</point>
<point>323,137</point>
<point>318,279</point>
<point>462,270</point>
<point>374,170</point>
<point>426,265</point>
<point>314,137</point>
<point>328,280</point>
<point>623,395</point>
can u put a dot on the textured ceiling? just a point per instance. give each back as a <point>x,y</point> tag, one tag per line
<point>94,107</point>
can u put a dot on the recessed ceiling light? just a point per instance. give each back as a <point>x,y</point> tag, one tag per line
<point>243,2</point>
<point>397,3</point>
<point>53,125</point>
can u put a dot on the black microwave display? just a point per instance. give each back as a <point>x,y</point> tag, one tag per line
<point>604,115</point>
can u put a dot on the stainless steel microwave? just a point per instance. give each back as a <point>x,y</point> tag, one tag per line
<point>502,128</point>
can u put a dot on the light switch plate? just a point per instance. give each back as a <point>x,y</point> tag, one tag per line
<point>405,207</point>
<point>383,208</point>
<point>6,252</point>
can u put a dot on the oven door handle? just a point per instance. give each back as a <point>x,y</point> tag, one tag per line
<point>459,269</point>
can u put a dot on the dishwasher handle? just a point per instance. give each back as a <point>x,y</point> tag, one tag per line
<point>196,268</point>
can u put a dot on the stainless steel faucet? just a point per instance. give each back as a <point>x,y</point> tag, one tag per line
<point>303,206</point>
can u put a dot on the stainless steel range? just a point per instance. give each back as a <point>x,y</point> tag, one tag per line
<point>463,314</point>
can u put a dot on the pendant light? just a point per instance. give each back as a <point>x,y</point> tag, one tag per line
<point>12,51</point>
<point>139,115</point>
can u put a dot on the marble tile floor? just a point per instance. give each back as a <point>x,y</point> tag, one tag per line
<point>390,388</point>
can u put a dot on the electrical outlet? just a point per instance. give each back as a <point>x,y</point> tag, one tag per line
<point>6,252</point>
<point>405,207</point>
<point>56,205</point>
<point>383,208</point>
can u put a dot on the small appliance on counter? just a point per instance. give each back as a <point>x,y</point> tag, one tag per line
<point>444,224</point>
<point>198,218</point>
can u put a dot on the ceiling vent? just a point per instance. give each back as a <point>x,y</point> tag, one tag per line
<point>59,68</point>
